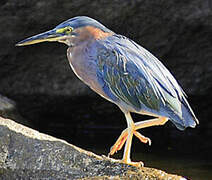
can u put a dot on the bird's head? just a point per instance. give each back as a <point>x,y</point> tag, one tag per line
<point>71,32</point>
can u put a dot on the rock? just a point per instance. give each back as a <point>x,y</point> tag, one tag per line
<point>28,154</point>
<point>6,105</point>
<point>8,110</point>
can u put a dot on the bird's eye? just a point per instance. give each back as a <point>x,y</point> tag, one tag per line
<point>68,30</point>
<point>65,30</point>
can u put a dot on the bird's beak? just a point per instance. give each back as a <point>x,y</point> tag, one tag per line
<point>51,35</point>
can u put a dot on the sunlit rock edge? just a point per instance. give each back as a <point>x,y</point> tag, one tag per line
<point>26,153</point>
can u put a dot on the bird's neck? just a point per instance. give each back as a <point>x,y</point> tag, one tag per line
<point>88,35</point>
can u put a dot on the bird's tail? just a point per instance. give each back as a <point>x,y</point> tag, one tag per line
<point>187,117</point>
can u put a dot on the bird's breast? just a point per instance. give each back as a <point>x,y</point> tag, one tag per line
<point>84,66</point>
<point>76,62</point>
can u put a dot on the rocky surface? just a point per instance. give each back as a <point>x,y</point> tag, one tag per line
<point>47,93</point>
<point>28,154</point>
<point>8,110</point>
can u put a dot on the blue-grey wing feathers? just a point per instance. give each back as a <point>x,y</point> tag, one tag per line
<point>131,74</point>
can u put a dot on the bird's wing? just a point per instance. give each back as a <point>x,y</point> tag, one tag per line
<point>131,73</point>
<point>124,79</point>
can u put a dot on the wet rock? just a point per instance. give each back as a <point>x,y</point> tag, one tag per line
<point>8,110</point>
<point>28,154</point>
<point>6,106</point>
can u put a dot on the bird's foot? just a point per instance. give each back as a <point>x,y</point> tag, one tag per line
<point>136,164</point>
<point>122,139</point>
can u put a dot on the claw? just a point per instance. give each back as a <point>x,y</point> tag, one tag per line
<point>142,138</point>
<point>136,164</point>
<point>122,139</point>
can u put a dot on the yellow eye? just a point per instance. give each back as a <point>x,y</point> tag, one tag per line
<point>69,30</point>
<point>65,30</point>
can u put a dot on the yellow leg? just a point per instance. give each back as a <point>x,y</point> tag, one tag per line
<point>127,135</point>
<point>130,130</point>
<point>151,122</point>
<point>119,143</point>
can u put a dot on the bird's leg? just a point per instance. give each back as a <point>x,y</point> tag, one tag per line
<point>142,138</point>
<point>119,142</point>
<point>151,122</point>
<point>130,129</point>
<point>142,124</point>
<point>122,139</point>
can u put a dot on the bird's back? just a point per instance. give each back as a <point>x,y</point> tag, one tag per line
<point>136,80</point>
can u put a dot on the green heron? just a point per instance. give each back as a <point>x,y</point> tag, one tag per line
<point>123,72</point>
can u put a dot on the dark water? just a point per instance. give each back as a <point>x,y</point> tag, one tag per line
<point>188,167</point>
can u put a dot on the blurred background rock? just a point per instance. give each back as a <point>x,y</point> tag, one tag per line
<point>46,92</point>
